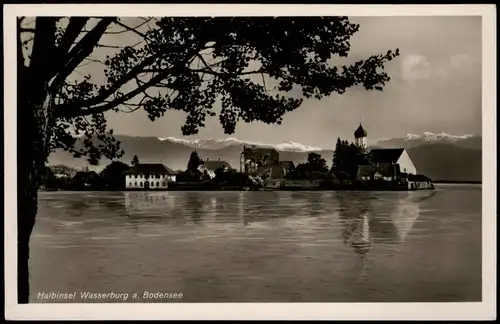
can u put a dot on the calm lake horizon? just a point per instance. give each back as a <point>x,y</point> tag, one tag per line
<point>260,246</point>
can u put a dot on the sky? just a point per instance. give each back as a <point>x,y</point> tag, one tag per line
<point>435,87</point>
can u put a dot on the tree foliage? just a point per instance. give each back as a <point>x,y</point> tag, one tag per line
<point>135,160</point>
<point>347,157</point>
<point>314,168</point>
<point>113,176</point>
<point>194,162</point>
<point>316,162</point>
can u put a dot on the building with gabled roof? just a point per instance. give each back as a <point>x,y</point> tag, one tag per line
<point>211,166</point>
<point>397,156</point>
<point>149,176</point>
<point>388,164</point>
<point>253,157</point>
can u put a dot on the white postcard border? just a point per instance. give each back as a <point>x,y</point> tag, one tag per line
<point>452,311</point>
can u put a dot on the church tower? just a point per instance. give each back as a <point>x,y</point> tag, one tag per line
<point>360,137</point>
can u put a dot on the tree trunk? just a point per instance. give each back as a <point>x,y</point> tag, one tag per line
<point>28,166</point>
<point>31,156</point>
<point>34,121</point>
<point>30,163</point>
<point>26,212</point>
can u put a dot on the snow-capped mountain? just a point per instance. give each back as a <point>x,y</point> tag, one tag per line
<point>439,137</point>
<point>412,140</point>
<point>217,144</point>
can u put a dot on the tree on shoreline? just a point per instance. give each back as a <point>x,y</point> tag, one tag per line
<point>314,168</point>
<point>113,175</point>
<point>194,162</point>
<point>135,160</point>
<point>347,157</point>
<point>185,64</point>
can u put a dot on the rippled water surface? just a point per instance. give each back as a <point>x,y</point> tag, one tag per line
<point>261,246</point>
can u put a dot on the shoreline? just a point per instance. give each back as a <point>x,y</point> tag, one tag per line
<point>317,187</point>
<point>238,189</point>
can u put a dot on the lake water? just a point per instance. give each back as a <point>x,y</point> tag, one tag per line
<point>422,246</point>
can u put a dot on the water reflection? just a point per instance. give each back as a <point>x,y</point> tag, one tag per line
<point>195,203</point>
<point>366,218</point>
<point>369,219</point>
<point>388,217</point>
<point>309,203</point>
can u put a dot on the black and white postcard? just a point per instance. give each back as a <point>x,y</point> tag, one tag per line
<point>250,161</point>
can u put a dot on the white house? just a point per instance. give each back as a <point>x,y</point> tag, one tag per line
<point>210,166</point>
<point>149,176</point>
<point>397,156</point>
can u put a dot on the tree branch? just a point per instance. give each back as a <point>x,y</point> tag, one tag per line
<point>114,103</point>
<point>80,51</point>
<point>92,105</point>
<point>108,92</point>
<point>94,60</point>
<point>207,71</point>
<point>127,28</point>
<point>74,28</point>
<point>132,29</point>
<point>109,46</point>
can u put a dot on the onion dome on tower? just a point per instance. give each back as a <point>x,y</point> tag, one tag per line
<point>360,132</point>
<point>360,137</point>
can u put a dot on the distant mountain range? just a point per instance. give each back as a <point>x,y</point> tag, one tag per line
<point>439,156</point>
<point>216,144</point>
<point>412,140</point>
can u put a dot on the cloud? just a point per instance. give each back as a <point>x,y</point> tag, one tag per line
<point>417,67</point>
<point>414,67</point>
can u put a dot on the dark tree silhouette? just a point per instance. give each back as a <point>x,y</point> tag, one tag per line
<point>314,168</point>
<point>48,179</point>
<point>194,162</point>
<point>135,160</point>
<point>316,162</point>
<point>251,64</point>
<point>85,180</point>
<point>113,175</point>
<point>338,155</point>
<point>347,157</point>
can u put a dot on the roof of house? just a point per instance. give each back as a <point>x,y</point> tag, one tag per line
<point>385,155</point>
<point>275,171</point>
<point>385,169</point>
<point>151,168</point>
<point>360,132</point>
<point>214,165</point>
<point>287,165</point>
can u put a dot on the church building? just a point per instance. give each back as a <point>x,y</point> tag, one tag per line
<point>385,164</point>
